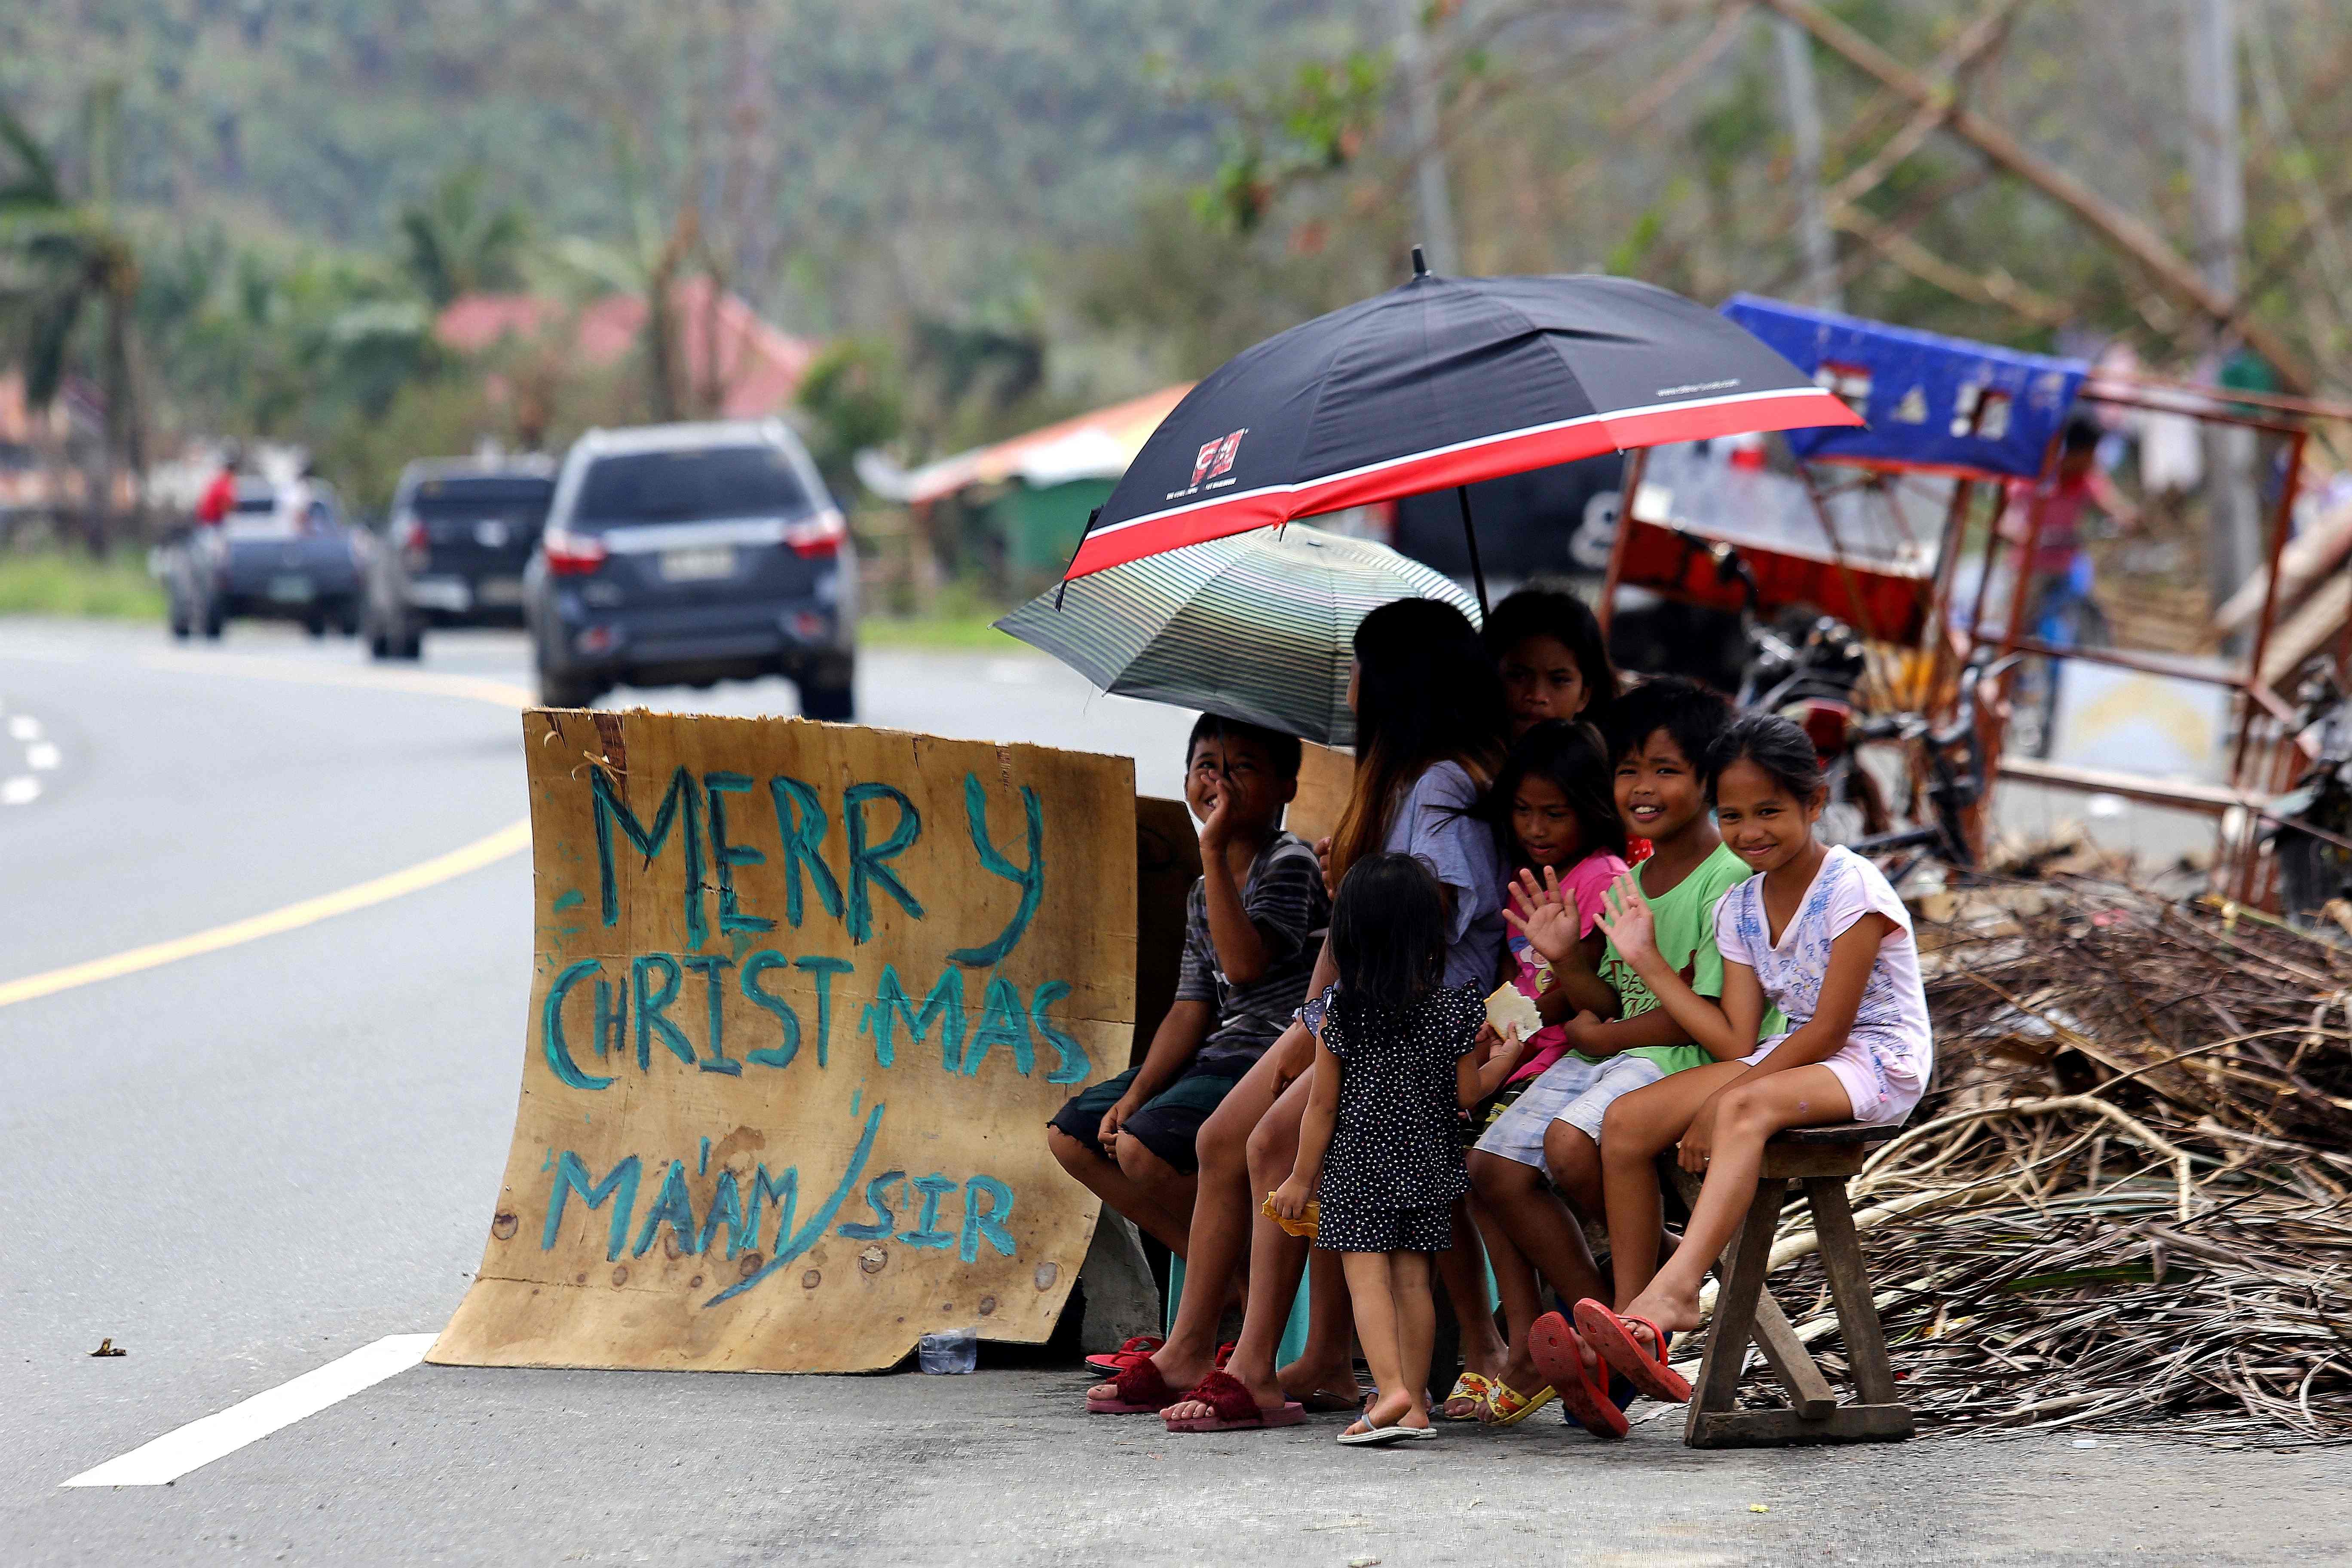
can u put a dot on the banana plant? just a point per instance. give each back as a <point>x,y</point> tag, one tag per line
<point>70,269</point>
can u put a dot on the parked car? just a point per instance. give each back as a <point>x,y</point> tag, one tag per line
<point>283,552</point>
<point>691,555</point>
<point>461,532</point>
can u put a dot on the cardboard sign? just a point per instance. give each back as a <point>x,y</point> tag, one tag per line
<point>1327,777</point>
<point>805,997</point>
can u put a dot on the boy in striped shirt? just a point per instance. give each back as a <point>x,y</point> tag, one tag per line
<point>1250,921</point>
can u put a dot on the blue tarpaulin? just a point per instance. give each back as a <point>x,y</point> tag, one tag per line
<point>1935,403</point>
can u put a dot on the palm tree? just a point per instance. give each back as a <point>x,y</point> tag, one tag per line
<point>64,259</point>
<point>456,244</point>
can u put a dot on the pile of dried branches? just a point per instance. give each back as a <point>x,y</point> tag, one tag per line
<point>2126,1205</point>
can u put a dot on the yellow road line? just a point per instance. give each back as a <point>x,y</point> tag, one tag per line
<point>426,683</point>
<point>506,841</point>
<point>509,840</point>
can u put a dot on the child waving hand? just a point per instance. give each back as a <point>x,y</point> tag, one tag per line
<point>1377,1153</point>
<point>1818,933</point>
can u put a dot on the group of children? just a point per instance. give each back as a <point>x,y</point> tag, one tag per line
<point>1693,970</point>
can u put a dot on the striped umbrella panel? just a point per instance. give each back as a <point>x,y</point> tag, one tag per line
<point>1257,628</point>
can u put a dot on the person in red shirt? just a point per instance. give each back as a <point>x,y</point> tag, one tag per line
<point>2058,562</point>
<point>220,496</point>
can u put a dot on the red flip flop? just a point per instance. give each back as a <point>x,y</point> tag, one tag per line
<point>1643,1368</point>
<point>1235,1409</point>
<point>1143,1390</point>
<point>1583,1390</point>
<point>1137,1348</point>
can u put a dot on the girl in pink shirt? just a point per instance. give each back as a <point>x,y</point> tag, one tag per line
<point>1564,833</point>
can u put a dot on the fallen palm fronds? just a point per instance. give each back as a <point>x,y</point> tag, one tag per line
<point>2125,1205</point>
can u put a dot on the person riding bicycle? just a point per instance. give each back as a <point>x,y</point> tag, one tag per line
<point>2060,568</point>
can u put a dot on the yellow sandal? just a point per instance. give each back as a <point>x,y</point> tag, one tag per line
<point>1470,1391</point>
<point>1508,1408</point>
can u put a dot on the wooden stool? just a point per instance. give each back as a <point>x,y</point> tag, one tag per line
<point>1822,1158</point>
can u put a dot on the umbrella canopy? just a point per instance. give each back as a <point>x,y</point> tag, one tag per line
<point>1258,627</point>
<point>1440,383</point>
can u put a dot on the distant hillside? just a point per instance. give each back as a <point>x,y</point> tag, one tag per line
<point>902,152</point>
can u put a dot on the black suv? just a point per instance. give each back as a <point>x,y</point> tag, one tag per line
<point>690,554</point>
<point>460,531</point>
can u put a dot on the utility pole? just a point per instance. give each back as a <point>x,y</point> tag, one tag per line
<point>2217,181</point>
<point>1429,157</point>
<point>1805,132</point>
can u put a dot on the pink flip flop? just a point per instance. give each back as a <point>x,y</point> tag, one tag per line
<point>1143,1390</point>
<point>1139,1347</point>
<point>1643,1368</point>
<point>1235,1409</point>
<point>1555,1351</point>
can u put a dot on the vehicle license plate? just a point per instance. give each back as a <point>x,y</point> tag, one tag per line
<point>290,590</point>
<point>499,591</point>
<point>700,564</point>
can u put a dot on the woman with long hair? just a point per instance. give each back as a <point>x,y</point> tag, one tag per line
<point>1431,730</point>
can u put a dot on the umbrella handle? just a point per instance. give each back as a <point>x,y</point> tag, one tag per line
<point>1470,537</point>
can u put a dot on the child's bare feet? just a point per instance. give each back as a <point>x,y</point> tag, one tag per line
<point>1180,1370</point>
<point>1391,1410</point>
<point>1627,1342</point>
<point>1268,1393</point>
<point>1321,1386</point>
<point>1670,1310</point>
<point>1519,1374</point>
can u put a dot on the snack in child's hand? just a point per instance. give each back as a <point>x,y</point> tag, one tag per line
<point>1509,1005</point>
<point>1303,1226</point>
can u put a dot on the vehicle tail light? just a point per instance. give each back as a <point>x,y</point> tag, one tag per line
<point>815,538</point>
<point>572,554</point>
<point>409,529</point>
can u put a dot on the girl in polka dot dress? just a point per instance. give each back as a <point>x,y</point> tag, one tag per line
<point>1395,1059</point>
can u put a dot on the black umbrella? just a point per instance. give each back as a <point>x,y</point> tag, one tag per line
<point>1444,382</point>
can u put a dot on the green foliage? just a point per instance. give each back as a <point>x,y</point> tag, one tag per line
<point>854,399</point>
<point>1310,120</point>
<point>61,582</point>
<point>455,243</point>
<point>1627,258</point>
<point>1192,295</point>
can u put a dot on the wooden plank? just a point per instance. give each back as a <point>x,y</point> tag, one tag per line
<point>1836,1134</point>
<point>1327,776</point>
<point>1858,1325</point>
<point>1792,1362</point>
<point>803,996</point>
<point>1735,1308</point>
<point>2177,793</point>
<point>1783,1160</point>
<point>1810,1393</point>
<point>1786,1428</point>
<point>1167,863</point>
<point>2317,550</point>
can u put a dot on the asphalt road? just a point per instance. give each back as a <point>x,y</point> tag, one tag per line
<point>248,1163</point>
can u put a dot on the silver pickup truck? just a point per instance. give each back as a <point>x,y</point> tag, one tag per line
<point>283,552</point>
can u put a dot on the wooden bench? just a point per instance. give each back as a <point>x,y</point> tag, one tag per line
<point>1822,1158</point>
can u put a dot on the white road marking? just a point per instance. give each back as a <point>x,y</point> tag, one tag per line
<point>24,727</point>
<point>174,1454</point>
<point>41,755</point>
<point>22,790</point>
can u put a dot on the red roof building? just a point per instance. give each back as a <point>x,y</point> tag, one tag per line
<point>725,342</point>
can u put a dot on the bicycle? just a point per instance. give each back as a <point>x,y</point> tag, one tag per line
<point>1807,667</point>
<point>2307,827</point>
<point>1955,757</point>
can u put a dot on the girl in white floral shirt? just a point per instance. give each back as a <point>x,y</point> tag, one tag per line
<point>1817,932</point>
